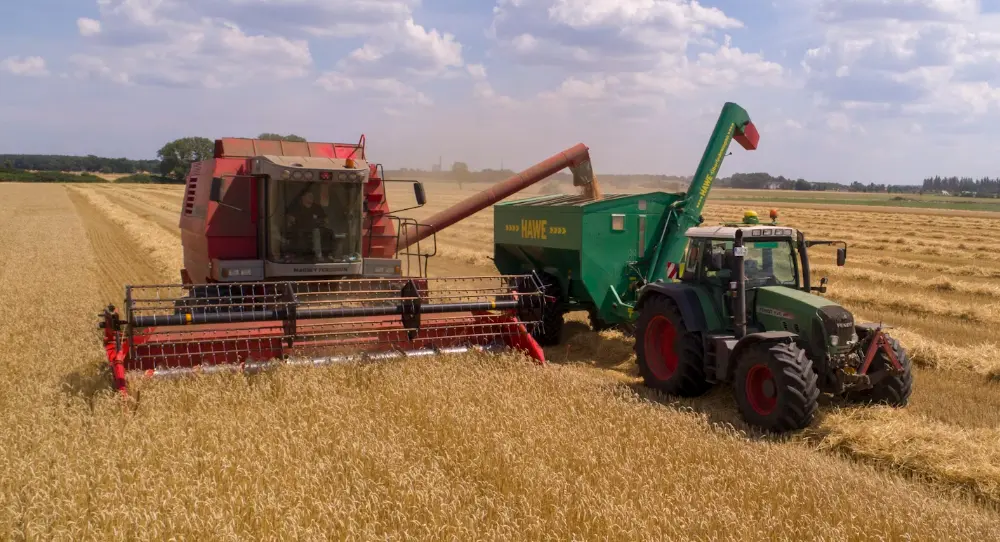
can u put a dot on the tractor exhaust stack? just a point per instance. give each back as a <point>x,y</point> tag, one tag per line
<point>740,289</point>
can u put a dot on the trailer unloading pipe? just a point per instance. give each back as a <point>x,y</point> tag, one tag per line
<point>577,158</point>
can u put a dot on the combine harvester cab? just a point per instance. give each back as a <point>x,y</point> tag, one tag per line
<point>292,257</point>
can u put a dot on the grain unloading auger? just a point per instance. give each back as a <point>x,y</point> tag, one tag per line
<point>292,257</point>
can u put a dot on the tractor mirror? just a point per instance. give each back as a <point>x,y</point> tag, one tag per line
<point>841,257</point>
<point>418,193</point>
<point>718,261</point>
<point>215,191</point>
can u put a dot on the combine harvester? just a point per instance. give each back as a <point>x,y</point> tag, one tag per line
<point>708,304</point>
<point>292,256</point>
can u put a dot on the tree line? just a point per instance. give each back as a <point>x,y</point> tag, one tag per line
<point>963,186</point>
<point>87,164</point>
<point>174,158</point>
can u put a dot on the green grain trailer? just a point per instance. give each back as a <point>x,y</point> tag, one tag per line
<point>594,255</point>
<point>716,304</point>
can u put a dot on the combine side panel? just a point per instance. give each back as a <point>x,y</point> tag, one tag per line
<point>379,233</point>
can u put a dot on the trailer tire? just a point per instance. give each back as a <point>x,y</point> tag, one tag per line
<point>548,329</point>
<point>775,386</point>
<point>891,390</point>
<point>677,368</point>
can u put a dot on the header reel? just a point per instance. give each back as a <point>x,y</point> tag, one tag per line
<point>172,330</point>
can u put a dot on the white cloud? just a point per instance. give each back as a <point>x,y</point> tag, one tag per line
<point>590,34</point>
<point>32,66</point>
<point>907,10</point>
<point>226,43</point>
<point>88,27</point>
<point>632,54</point>
<point>384,88</point>
<point>477,71</point>
<point>912,56</point>
<point>405,46</point>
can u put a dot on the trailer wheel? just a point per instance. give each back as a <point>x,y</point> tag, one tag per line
<point>892,390</point>
<point>776,387</point>
<point>550,332</point>
<point>597,324</point>
<point>670,358</point>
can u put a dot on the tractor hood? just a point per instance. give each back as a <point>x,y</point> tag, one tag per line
<point>814,317</point>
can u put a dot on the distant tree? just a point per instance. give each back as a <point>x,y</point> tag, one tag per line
<point>460,171</point>
<point>7,164</point>
<point>279,137</point>
<point>802,184</point>
<point>176,156</point>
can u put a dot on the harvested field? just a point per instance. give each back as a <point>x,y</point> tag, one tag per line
<point>477,447</point>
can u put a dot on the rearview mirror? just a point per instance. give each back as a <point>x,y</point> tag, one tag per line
<point>418,193</point>
<point>841,256</point>
<point>718,261</point>
<point>215,191</point>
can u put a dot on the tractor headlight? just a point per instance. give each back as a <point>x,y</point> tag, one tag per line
<point>834,340</point>
<point>854,337</point>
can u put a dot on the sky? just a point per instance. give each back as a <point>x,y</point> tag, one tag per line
<point>885,91</point>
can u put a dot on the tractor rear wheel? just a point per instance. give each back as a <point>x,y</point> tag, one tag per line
<point>776,387</point>
<point>670,357</point>
<point>893,390</point>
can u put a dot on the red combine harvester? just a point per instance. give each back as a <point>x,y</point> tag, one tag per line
<point>292,256</point>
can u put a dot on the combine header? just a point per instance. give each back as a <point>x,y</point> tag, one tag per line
<point>292,257</point>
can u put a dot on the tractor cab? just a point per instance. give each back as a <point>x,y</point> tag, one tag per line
<point>770,257</point>
<point>775,255</point>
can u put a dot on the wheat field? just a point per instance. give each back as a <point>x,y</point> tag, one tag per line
<point>481,447</point>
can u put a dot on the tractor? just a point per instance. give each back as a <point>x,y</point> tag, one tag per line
<point>744,312</point>
<point>644,263</point>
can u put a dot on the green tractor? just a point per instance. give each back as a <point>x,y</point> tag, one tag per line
<point>743,312</point>
<point>644,263</point>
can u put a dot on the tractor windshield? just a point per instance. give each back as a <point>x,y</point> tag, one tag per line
<point>314,222</point>
<point>770,263</point>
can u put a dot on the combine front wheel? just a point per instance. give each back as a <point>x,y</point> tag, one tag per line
<point>775,387</point>
<point>670,358</point>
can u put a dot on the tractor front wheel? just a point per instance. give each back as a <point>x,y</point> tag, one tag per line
<point>776,387</point>
<point>670,358</point>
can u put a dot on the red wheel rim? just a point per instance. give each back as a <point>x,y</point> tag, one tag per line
<point>659,342</point>
<point>762,390</point>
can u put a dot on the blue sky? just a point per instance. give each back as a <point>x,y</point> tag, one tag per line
<point>842,90</point>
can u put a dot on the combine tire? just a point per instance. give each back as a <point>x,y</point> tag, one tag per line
<point>775,387</point>
<point>670,358</point>
<point>891,390</point>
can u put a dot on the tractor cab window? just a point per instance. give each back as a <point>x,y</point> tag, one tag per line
<point>770,263</point>
<point>715,260</point>
<point>314,222</point>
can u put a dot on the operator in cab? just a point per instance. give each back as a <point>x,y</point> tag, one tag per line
<point>305,224</point>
